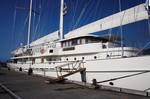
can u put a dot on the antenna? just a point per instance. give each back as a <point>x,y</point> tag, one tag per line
<point>29,25</point>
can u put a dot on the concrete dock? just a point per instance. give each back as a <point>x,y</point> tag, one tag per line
<point>34,87</point>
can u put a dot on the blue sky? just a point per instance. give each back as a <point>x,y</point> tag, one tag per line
<point>79,12</point>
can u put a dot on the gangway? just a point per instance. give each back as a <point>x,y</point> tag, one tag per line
<point>69,69</point>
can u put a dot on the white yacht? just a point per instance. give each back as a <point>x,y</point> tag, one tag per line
<point>82,56</point>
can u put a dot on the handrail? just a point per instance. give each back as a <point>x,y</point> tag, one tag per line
<point>75,67</point>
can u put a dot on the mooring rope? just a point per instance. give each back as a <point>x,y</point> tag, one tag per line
<point>117,78</point>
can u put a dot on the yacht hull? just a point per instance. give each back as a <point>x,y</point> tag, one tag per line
<point>130,73</point>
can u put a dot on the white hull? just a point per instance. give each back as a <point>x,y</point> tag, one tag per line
<point>106,69</point>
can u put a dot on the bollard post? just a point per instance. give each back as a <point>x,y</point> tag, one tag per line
<point>30,71</point>
<point>8,68</point>
<point>20,69</point>
<point>94,83</point>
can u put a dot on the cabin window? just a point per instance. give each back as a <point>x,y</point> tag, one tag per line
<point>74,42</point>
<point>68,43</point>
<point>64,44</point>
<point>15,61</point>
<point>83,41</point>
<point>69,48</point>
<point>50,51</point>
<point>86,41</point>
<point>79,41</point>
<point>95,57</point>
<point>49,59</point>
<point>90,40</point>
<point>75,58</point>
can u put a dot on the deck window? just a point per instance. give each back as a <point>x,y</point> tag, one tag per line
<point>74,42</point>
<point>83,41</point>
<point>79,41</point>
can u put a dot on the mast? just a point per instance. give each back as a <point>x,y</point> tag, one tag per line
<point>61,35</point>
<point>29,25</point>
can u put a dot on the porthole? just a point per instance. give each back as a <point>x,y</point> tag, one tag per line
<point>111,83</point>
<point>51,51</point>
<point>95,57</point>
<point>82,58</point>
<point>75,58</point>
<point>103,46</point>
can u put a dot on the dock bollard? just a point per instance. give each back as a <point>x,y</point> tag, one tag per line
<point>8,68</point>
<point>94,83</point>
<point>20,69</point>
<point>30,71</point>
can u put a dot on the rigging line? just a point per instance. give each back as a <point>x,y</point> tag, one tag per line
<point>109,34</point>
<point>97,6</point>
<point>34,20</point>
<point>119,71</point>
<point>90,14</point>
<point>109,37</point>
<point>24,25</point>
<point>38,22</point>
<point>39,25</point>
<point>121,29</point>
<point>72,19</point>
<point>81,14</point>
<point>75,8</point>
<point>110,30</point>
<point>100,9</point>
<point>84,20</point>
<point>143,48</point>
<point>122,77</point>
<point>13,29</point>
<point>146,90</point>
